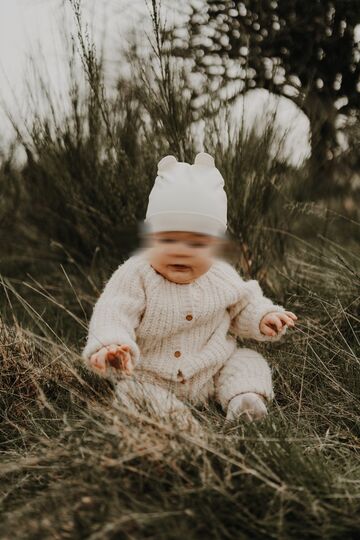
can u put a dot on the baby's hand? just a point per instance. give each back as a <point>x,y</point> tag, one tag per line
<point>116,356</point>
<point>273,322</point>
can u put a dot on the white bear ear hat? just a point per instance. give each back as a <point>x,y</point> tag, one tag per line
<point>187,198</point>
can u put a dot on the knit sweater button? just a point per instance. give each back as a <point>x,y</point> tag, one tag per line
<point>189,317</point>
<point>177,354</point>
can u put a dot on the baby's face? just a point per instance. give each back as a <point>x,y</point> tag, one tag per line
<point>180,256</point>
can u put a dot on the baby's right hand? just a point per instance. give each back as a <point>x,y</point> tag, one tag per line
<point>116,356</point>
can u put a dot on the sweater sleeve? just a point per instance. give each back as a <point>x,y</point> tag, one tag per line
<point>117,312</point>
<point>247,313</point>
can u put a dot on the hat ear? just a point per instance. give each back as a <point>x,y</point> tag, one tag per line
<point>204,159</point>
<point>166,162</point>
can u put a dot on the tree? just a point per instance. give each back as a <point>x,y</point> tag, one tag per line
<point>305,51</point>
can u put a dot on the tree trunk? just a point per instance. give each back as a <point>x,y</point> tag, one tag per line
<point>322,117</point>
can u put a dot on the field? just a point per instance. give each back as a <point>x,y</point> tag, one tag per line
<point>74,464</point>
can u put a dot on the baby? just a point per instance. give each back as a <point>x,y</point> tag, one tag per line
<point>168,318</point>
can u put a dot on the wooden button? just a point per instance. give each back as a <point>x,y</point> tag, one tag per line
<point>177,354</point>
<point>189,317</point>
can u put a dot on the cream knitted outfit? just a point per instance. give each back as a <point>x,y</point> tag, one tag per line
<point>182,336</point>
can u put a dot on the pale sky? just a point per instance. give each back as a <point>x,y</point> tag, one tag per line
<point>34,28</point>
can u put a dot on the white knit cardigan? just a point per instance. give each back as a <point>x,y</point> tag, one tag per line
<point>175,328</point>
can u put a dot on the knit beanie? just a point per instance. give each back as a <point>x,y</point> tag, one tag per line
<point>187,198</point>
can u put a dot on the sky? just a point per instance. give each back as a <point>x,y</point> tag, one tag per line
<point>40,29</point>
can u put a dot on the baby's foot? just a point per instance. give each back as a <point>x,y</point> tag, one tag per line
<point>249,406</point>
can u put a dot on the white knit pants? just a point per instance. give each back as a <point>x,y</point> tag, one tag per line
<point>140,396</point>
<point>245,371</point>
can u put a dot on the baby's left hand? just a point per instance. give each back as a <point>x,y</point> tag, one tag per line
<point>273,322</point>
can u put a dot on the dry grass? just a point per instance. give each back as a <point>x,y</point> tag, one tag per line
<point>74,464</point>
